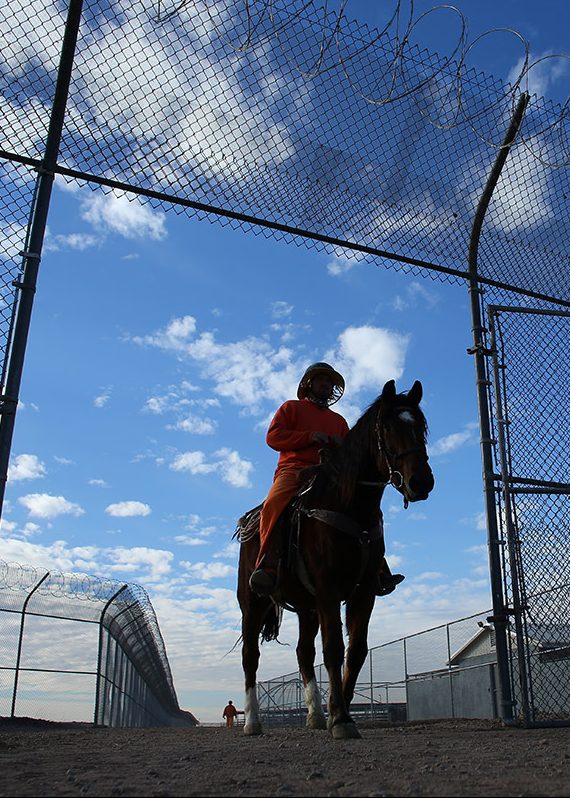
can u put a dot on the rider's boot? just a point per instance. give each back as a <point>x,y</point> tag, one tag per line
<point>263,580</point>
<point>387,582</point>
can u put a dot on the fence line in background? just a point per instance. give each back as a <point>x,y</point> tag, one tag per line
<point>113,669</point>
<point>448,671</point>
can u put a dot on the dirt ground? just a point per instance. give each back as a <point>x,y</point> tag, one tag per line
<point>441,758</point>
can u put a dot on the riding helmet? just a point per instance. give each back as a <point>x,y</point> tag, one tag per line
<point>321,368</point>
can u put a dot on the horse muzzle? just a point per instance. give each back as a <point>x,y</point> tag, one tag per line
<point>419,486</point>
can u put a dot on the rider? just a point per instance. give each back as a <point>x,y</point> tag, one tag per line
<point>299,429</point>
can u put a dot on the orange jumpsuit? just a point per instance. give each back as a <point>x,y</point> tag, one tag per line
<point>230,713</point>
<point>290,434</point>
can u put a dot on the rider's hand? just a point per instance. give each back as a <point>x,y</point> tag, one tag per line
<point>320,437</point>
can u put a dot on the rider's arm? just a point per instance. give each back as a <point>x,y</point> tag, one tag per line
<point>282,435</point>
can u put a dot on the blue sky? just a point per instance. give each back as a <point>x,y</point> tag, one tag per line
<point>160,348</point>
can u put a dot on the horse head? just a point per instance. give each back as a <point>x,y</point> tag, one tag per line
<point>401,430</point>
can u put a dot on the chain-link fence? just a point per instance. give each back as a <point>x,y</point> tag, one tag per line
<point>81,648</point>
<point>277,117</point>
<point>445,672</point>
<point>532,442</point>
<point>274,116</point>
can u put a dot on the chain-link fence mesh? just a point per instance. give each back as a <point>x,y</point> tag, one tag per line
<point>273,113</point>
<point>16,194</point>
<point>78,647</point>
<point>532,443</point>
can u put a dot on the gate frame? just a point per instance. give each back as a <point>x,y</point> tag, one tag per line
<point>508,486</point>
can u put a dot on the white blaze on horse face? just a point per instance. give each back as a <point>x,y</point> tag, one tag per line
<point>406,416</point>
<point>251,707</point>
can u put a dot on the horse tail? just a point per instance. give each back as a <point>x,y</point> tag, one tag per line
<point>271,623</point>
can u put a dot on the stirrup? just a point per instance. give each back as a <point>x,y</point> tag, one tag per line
<point>387,584</point>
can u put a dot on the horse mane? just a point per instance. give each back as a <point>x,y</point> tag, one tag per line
<point>343,467</point>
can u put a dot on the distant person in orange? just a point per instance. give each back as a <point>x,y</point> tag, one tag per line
<point>229,715</point>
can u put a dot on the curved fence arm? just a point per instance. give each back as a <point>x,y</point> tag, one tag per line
<point>21,640</point>
<point>500,615</point>
<point>99,686</point>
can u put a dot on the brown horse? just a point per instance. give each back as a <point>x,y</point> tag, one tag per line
<point>330,553</point>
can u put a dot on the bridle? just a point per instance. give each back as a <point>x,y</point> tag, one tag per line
<point>395,477</point>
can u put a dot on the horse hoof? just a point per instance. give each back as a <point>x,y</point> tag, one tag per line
<point>346,731</point>
<point>252,729</point>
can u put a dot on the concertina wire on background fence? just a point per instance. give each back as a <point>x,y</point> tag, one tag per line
<point>116,669</point>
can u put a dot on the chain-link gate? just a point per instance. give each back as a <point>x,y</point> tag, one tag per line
<point>531,380</point>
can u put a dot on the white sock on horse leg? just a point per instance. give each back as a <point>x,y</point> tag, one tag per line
<point>313,699</point>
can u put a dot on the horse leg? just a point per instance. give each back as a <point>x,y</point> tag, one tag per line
<point>340,724</point>
<point>250,628</point>
<point>308,628</point>
<point>358,611</point>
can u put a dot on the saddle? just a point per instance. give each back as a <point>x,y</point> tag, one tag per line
<point>288,528</point>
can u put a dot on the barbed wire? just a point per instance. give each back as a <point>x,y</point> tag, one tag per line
<point>404,73</point>
<point>84,587</point>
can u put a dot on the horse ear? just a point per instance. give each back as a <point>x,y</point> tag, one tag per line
<point>389,391</point>
<point>416,392</point>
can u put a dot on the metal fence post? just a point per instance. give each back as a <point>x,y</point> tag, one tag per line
<point>98,684</point>
<point>500,615</point>
<point>449,671</point>
<point>34,242</point>
<point>21,640</point>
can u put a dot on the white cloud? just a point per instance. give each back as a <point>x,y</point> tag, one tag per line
<point>229,120</point>
<point>280,310</point>
<point>196,425</point>
<point>229,465</point>
<point>542,71</point>
<point>455,440</point>
<point>98,483</point>
<point>118,214</point>
<point>251,371</point>
<point>340,264</point>
<point>128,509</point>
<point>231,551</point>
<point>233,469</point>
<point>77,241</point>
<point>11,529</point>
<point>26,466</point>
<point>103,398</point>
<point>208,570</point>
<point>155,563</point>
<point>174,337</point>
<point>429,576</point>
<point>513,208</point>
<point>194,462</point>
<point>369,356</point>
<point>189,540</point>
<point>63,460</point>
<point>415,294</point>
<point>42,505</point>
<point>140,563</point>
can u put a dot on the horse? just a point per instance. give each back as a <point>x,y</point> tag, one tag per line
<point>335,547</point>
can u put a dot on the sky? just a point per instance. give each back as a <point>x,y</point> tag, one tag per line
<point>161,346</point>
